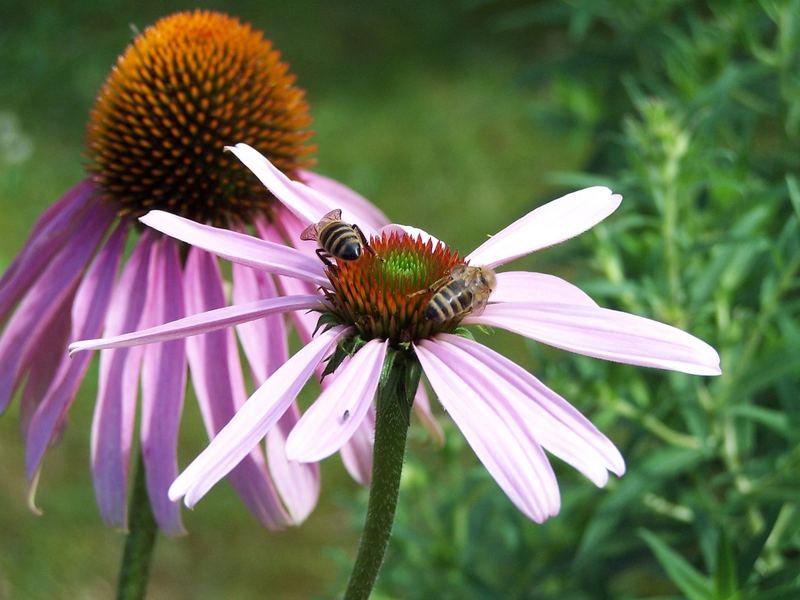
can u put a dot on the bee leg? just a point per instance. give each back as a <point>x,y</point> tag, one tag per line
<point>365,242</point>
<point>325,258</point>
<point>432,287</point>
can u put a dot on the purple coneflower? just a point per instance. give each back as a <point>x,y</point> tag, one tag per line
<point>377,311</point>
<point>186,86</point>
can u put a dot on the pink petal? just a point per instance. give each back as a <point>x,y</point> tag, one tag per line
<point>340,408</point>
<point>264,343</point>
<point>254,419</point>
<point>41,302</point>
<point>238,247</point>
<point>547,225</point>
<point>88,314</point>
<point>555,423</point>
<point>604,333</point>
<point>298,483</point>
<point>494,429</point>
<point>422,408</point>
<point>163,386</point>
<point>263,340</point>
<point>201,323</point>
<point>523,286</point>
<point>357,451</point>
<point>112,425</point>
<point>286,227</point>
<point>345,198</point>
<point>52,230</point>
<point>304,321</point>
<point>307,203</point>
<point>219,386</point>
<point>45,362</point>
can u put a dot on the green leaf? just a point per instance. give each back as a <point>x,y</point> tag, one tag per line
<point>794,193</point>
<point>771,368</point>
<point>749,556</point>
<point>464,332</point>
<point>689,580</point>
<point>773,419</point>
<point>345,348</point>
<point>726,584</point>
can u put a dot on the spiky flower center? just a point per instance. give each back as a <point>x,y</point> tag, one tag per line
<point>384,293</point>
<point>186,87</point>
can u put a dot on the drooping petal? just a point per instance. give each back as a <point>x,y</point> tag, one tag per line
<point>547,225</point>
<point>254,419</point>
<point>42,301</point>
<point>219,385</point>
<point>45,361</point>
<point>357,452</point>
<point>345,198</point>
<point>288,226</point>
<point>52,230</point>
<point>422,408</point>
<point>163,386</point>
<point>238,247</point>
<point>264,340</point>
<point>304,321</point>
<point>115,408</point>
<point>494,431</point>
<point>298,483</point>
<point>554,423</point>
<point>524,286</point>
<point>265,344</point>
<point>340,408</point>
<point>88,314</point>
<point>604,333</point>
<point>305,202</point>
<point>204,322</point>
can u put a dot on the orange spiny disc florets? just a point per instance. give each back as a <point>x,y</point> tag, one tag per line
<point>384,294</point>
<point>186,87</point>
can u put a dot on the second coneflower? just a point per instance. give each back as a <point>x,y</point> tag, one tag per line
<point>184,88</point>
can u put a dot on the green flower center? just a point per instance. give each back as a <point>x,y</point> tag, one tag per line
<point>384,294</point>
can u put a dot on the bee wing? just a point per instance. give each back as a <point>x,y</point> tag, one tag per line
<point>480,301</point>
<point>334,215</point>
<point>309,233</point>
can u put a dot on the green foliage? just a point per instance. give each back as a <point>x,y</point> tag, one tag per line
<point>694,108</point>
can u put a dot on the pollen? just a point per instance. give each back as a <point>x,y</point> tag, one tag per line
<point>384,293</point>
<point>186,87</point>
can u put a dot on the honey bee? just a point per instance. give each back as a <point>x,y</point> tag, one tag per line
<point>462,291</point>
<point>336,238</point>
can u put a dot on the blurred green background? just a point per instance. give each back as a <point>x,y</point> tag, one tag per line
<point>458,117</point>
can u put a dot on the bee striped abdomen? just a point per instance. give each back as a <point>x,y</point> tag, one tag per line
<point>450,301</point>
<point>340,240</point>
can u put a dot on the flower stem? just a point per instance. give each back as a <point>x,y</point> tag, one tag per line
<point>395,396</point>
<point>139,543</point>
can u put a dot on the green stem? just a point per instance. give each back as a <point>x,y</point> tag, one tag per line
<point>139,543</point>
<point>395,396</point>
